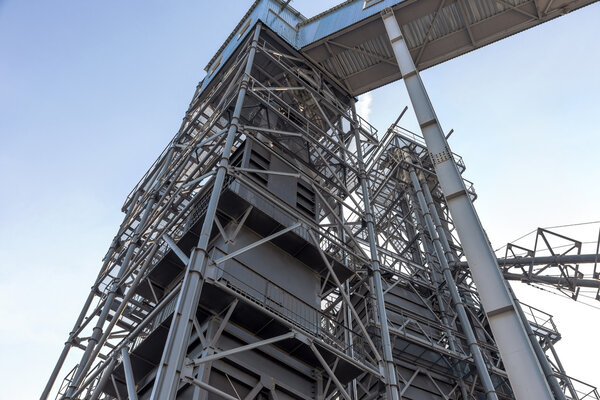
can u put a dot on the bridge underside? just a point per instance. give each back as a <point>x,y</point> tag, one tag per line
<point>360,58</point>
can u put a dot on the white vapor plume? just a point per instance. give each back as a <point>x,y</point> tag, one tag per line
<point>363,105</point>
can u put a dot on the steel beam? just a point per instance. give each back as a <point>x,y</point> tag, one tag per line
<point>389,370</point>
<point>129,380</point>
<point>227,353</point>
<point>553,280</point>
<point>525,374</point>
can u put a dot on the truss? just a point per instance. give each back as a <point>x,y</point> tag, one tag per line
<point>280,248</point>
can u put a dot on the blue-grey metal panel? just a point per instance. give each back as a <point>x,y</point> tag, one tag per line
<point>339,18</point>
<point>269,12</point>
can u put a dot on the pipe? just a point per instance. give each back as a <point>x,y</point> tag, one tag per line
<point>438,280</point>
<point>103,379</point>
<point>442,250</point>
<point>86,359</point>
<point>76,327</point>
<point>129,379</point>
<point>554,280</point>
<point>168,374</point>
<point>130,337</point>
<point>389,372</point>
<point>541,260</point>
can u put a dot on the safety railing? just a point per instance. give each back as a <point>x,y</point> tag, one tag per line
<point>407,137</point>
<point>541,322</point>
<point>300,314</point>
<point>582,390</point>
<point>158,319</point>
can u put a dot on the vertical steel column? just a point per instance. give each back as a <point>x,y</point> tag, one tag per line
<point>169,371</point>
<point>348,335</point>
<point>519,359</point>
<point>129,380</point>
<point>442,246</point>
<point>439,281</point>
<point>203,372</point>
<point>393,391</point>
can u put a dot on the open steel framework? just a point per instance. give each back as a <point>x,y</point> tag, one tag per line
<point>281,248</point>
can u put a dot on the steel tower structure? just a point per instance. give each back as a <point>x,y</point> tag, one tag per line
<point>281,247</point>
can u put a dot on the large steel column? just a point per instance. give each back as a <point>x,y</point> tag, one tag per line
<point>543,360</point>
<point>169,371</point>
<point>393,391</point>
<point>524,372</point>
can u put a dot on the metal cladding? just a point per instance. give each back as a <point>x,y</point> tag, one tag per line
<point>350,44</point>
<point>280,247</point>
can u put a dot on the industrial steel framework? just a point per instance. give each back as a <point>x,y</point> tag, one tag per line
<point>280,247</point>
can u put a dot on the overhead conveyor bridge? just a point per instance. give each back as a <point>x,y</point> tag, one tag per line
<point>350,43</point>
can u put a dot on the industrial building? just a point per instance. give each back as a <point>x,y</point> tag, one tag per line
<point>282,247</point>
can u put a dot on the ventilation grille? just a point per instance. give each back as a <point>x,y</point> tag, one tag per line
<point>257,161</point>
<point>305,198</point>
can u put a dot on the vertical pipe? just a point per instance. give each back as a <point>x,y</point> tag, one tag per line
<point>129,380</point>
<point>348,334</point>
<point>86,359</point>
<point>347,321</point>
<point>93,347</point>
<point>119,310</point>
<point>438,281</point>
<point>442,246</point>
<point>168,375</point>
<point>520,361</point>
<point>389,372</point>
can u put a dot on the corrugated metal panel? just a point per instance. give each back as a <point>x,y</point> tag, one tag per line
<point>449,20</point>
<point>478,10</point>
<point>352,61</point>
<point>232,34</point>
<point>284,22</point>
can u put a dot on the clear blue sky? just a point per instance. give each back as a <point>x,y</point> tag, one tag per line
<point>90,93</point>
